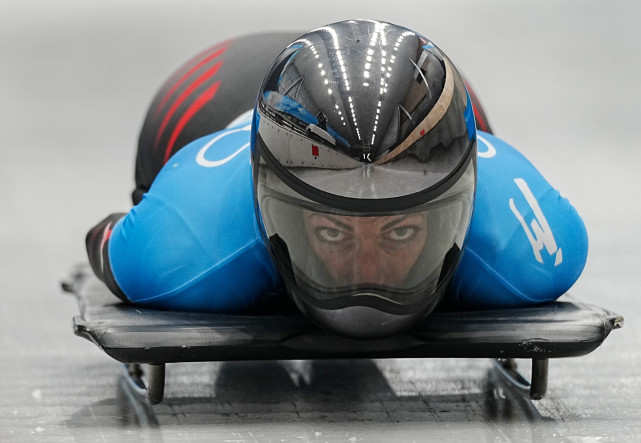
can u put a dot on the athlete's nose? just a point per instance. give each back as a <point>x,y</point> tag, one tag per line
<point>370,266</point>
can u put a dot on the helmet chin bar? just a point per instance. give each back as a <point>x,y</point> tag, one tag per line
<point>391,300</point>
<point>369,320</point>
<point>364,322</point>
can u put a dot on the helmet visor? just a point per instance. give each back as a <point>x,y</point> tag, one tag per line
<point>392,260</point>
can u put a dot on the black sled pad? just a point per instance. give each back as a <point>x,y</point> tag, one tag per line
<point>132,334</point>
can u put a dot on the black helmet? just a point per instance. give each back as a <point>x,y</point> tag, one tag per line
<point>364,162</point>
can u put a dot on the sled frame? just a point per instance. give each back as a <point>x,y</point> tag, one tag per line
<point>145,340</point>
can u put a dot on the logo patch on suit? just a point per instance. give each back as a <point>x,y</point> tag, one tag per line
<point>538,233</point>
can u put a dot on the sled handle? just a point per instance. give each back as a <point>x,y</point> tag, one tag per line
<point>537,387</point>
<point>153,390</point>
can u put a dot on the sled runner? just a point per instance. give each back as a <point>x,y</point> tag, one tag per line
<point>139,336</point>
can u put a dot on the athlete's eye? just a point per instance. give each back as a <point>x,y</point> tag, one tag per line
<point>402,233</point>
<point>330,235</point>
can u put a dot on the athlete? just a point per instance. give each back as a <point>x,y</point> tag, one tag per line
<point>363,181</point>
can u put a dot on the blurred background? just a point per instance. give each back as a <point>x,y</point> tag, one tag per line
<point>559,81</point>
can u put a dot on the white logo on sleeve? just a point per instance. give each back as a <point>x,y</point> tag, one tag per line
<point>540,235</point>
<point>200,157</point>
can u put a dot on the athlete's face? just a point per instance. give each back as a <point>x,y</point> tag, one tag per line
<point>367,250</point>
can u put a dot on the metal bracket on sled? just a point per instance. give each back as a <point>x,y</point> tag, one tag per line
<point>153,389</point>
<point>537,387</point>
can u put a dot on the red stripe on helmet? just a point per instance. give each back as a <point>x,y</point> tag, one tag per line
<point>217,51</point>
<point>196,105</point>
<point>186,93</point>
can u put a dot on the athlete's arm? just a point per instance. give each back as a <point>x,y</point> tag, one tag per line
<point>527,244</point>
<point>192,242</point>
<point>97,243</point>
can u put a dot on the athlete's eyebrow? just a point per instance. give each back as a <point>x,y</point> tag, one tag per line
<point>395,222</point>
<point>337,222</point>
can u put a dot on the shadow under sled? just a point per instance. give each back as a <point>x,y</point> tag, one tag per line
<point>135,336</point>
